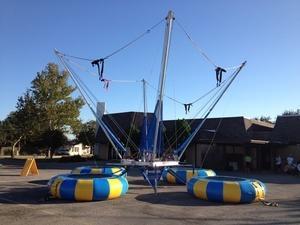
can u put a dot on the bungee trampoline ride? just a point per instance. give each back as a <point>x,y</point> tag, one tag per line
<point>181,175</point>
<point>154,156</point>
<point>120,171</point>
<point>88,187</point>
<point>227,189</point>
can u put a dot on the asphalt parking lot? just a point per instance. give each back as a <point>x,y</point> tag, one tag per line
<point>22,202</point>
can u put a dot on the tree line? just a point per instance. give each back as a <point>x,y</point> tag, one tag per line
<point>289,112</point>
<point>46,114</point>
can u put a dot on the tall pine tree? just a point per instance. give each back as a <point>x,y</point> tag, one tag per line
<point>46,112</point>
<point>55,105</point>
<point>56,110</point>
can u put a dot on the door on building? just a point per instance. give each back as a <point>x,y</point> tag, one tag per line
<point>264,160</point>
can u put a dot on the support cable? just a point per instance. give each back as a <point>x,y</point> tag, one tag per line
<point>187,142</point>
<point>150,85</point>
<point>95,74</point>
<point>87,93</point>
<point>119,49</point>
<point>82,90</point>
<point>84,97</point>
<point>196,46</point>
<point>211,142</point>
<point>213,100</point>
<point>178,134</point>
<point>196,100</point>
<point>134,40</point>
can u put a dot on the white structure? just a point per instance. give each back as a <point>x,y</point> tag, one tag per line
<point>98,147</point>
<point>78,149</point>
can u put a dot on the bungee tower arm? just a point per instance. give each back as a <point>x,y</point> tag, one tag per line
<point>182,148</point>
<point>115,142</point>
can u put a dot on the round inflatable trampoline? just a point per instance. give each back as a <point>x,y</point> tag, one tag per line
<point>227,189</point>
<point>88,187</point>
<point>99,170</point>
<point>185,174</point>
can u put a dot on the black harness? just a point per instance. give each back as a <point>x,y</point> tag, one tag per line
<point>219,71</point>
<point>100,65</point>
<point>187,107</point>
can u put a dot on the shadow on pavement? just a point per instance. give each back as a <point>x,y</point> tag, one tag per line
<point>39,182</point>
<point>174,198</point>
<point>30,195</point>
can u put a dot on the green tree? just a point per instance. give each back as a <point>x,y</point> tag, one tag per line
<point>10,132</point>
<point>52,96</point>
<point>87,134</point>
<point>291,112</point>
<point>56,110</point>
<point>267,119</point>
<point>53,139</point>
<point>27,119</point>
<point>47,108</point>
<point>2,135</point>
<point>133,141</point>
<point>183,130</point>
<point>175,137</point>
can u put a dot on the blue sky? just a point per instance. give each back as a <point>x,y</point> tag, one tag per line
<point>265,33</point>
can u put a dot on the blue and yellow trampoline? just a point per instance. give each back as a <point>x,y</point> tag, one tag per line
<point>227,189</point>
<point>183,175</point>
<point>99,170</point>
<point>88,187</point>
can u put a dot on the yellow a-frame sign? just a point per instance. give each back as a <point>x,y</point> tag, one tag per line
<point>30,167</point>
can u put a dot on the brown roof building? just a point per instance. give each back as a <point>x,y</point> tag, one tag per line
<point>221,143</point>
<point>286,130</point>
<point>285,138</point>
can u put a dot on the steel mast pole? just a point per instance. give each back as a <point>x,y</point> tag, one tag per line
<point>145,115</point>
<point>144,97</point>
<point>161,85</point>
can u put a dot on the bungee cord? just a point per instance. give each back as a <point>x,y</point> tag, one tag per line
<point>208,105</point>
<point>88,103</point>
<point>208,59</point>
<point>211,107</point>
<point>200,50</point>
<point>190,104</point>
<point>86,94</point>
<point>74,57</point>
<point>119,49</point>
<point>180,132</point>
<point>104,80</point>
<point>99,63</point>
<point>134,40</point>
<point>89,95</point>
<point>187,106</point>
<point>218,69</point>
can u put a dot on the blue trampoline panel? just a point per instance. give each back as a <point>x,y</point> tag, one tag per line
<point>214,191</point>
<point>67,189</point>
<point>101,189</point>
